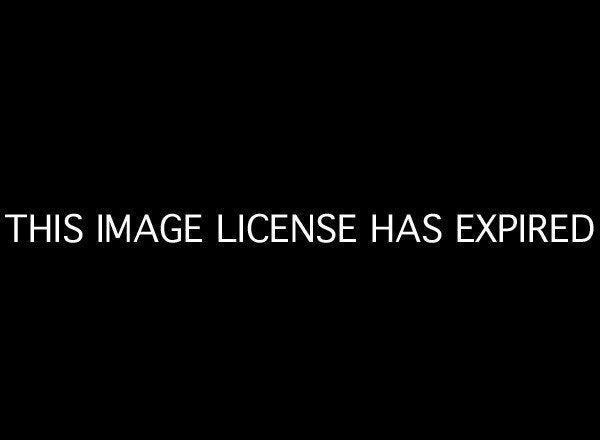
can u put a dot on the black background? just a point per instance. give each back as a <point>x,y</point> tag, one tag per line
<point>386,112</point>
